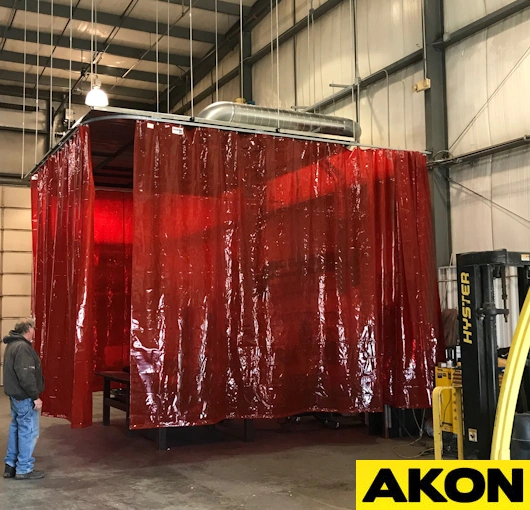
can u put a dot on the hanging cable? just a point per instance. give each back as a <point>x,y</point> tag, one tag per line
<point>92,45</point>
<point>24,91</point>
<point>313,46</point>
<point>241,93</point>
<point>352,62</point>
<point>191,59</point>
<point>278,62</point>
<point>272,49</point>
<point>168,30</point>
<point>156,35</point>
<point>311,96</point>
<point>216,56</point>
<point>50,112</point>
<point>70,23</point>
<point>320,69</point>
<point>37,83</point>
<point>96,38</point>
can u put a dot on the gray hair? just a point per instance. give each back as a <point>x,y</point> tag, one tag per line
<point>24,325</point>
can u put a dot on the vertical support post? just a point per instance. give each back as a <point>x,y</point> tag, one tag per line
<point>436,127</point>
<point>161,438</point>
<point>437,420</point>
<point>478,333</point>
<point>247,68</point>
<point>490,345</point>
<point>248,430</point>
<point>458,425</point>
<point>106,395</point>
<point>523,284</point>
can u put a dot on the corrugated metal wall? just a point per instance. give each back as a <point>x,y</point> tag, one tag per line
<point>488,77</point>
<point>459,13</point>
<point>388,31</point>
<point>323,54</point>
<point>11,138</point>
<point>228,92</point>
<point>487,86</point>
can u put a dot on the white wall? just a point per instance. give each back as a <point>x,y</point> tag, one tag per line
<point>227,92</point>
<point>488,78</point>
<point>16,264</point>
<point>388,31</point>
<point>458,13</point>
<point>501,219</point>
<point>11,141</point>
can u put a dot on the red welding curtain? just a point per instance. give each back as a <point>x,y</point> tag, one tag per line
<point>63,200</point>
<point>273,276</point>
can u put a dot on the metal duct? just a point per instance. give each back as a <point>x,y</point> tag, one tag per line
<point>250,115</point>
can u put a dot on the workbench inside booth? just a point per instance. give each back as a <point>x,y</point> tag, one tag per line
<point>239,273</point>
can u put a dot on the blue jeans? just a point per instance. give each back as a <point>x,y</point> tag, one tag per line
<point>23,435</point>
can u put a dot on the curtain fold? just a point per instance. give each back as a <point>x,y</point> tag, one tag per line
<point>274,276</point>
<point>62,204</point>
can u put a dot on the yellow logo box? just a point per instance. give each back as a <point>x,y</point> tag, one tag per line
<point>425,484</point>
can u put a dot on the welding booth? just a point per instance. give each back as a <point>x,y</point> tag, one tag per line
<point>240,273</point>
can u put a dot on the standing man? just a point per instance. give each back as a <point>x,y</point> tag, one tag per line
<point>23,383</point>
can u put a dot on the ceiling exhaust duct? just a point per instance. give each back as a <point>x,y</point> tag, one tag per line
<point>250,115</point>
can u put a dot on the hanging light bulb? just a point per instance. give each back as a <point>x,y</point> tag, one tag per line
<point>96,96</point>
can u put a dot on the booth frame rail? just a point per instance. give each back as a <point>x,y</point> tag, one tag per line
<point>123,113</point>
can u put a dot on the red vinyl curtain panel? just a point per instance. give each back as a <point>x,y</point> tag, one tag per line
<point>62,204</point>
<point>274,276</point>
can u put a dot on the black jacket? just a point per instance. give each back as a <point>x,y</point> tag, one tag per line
<point>22,369</point>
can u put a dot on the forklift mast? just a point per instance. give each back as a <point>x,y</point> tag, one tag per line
<point>476,273</point>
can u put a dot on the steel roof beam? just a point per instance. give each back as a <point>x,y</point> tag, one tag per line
<point>78,67</point>
<point>209,5</point>
<point>17,34</point>
<point>77,98</point>
<point>31,79</point>
<point>483,23</point>
<point>112,20</point>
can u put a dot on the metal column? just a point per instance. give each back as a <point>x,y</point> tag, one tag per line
<point>436,127</point>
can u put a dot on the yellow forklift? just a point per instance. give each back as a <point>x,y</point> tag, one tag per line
<point>476,396</point>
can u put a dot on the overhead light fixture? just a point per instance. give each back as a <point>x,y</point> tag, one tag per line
<point>96,96</point>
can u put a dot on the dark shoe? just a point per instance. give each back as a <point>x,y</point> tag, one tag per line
<point>34,475</point>
<point>9,472</point>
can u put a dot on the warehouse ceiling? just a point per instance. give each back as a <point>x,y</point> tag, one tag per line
<point>129,65</point>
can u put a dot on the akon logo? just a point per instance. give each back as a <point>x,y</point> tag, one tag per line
<point>386,486</point>
<point>473,484</point>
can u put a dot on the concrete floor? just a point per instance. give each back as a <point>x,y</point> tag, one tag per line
<point>293,467</point>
